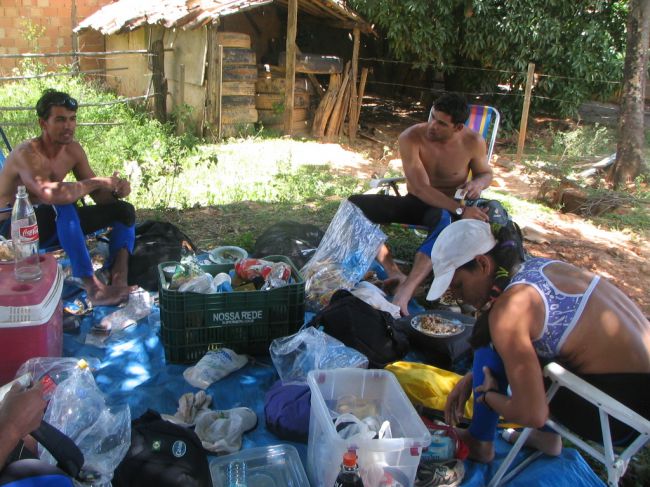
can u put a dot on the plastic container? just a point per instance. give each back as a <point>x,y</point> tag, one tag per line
<point>383,397</point>
<point>246,322</point>
<point>31,316</point>
<point>269,466</point>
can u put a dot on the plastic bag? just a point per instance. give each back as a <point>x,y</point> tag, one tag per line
<point>311,349</point>
<point>344,255</point>
<point>376,298</point>
<point>213,366</point>
<point>78,409</point>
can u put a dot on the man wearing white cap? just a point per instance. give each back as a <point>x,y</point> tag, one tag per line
<point>535,312</point>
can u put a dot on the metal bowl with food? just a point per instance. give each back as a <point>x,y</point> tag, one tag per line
<point>434,325</point>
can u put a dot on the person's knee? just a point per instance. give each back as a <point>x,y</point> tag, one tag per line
<point>356,199</point>
<point>126,213</point>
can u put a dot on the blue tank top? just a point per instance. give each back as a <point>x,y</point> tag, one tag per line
<point>562,310</point>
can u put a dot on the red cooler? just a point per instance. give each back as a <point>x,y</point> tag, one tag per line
<point>31,317</point>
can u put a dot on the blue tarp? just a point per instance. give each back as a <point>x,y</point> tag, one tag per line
<point>133,370</point>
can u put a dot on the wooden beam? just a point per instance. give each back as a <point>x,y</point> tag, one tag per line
<point>352,127</point>
<point>212,80</point>
<point>524,113</point>
<point>158,80</point>
<point>354,119</point>
<point>180,123</point>
<point>290,67</point>
<point>219,89</point>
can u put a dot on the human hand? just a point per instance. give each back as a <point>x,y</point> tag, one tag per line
<point>121,187</point>
<point>489,382</point>
<point>456,400</point>
<point>21,411</point>
<point>476,213</point>
<point>473,189</point>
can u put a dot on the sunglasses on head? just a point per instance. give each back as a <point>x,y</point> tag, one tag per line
<point>63,101</point>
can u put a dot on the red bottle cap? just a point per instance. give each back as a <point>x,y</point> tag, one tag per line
<point>350,459</point>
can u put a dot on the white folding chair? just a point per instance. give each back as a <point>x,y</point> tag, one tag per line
<point>616,464</point>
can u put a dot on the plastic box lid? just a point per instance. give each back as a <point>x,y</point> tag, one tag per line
<point>43,295</point>
<point>269,466</point>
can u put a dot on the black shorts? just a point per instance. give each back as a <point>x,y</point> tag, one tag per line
<point>408,209</point>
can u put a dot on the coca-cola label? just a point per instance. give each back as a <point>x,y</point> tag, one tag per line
<point>28,233</point>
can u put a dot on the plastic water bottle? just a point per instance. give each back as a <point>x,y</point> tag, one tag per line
<point>349,474</point>
<point>237,474</point>
<point>24,235</point>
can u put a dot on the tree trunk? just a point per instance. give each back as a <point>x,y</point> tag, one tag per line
<point>629,151</point>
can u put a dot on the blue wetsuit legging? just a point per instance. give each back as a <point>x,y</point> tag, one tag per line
<point>67,225</point>
<point>484,421</point>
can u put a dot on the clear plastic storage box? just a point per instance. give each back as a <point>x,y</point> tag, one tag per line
<point>365,393</point>
<point>268,466</point>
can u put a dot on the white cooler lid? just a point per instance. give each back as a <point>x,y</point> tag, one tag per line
<point>17,316</point>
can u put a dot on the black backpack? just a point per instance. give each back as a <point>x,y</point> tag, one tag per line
<point>155,242</point>
<point>501,223</point>
<point>163,454</point>
<point>362,327</point>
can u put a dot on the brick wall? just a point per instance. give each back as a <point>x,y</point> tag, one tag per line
<point>55,17</point>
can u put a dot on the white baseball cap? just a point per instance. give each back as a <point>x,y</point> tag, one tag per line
<point>456,245</point>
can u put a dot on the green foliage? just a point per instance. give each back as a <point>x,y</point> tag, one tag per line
<point>481,44</point>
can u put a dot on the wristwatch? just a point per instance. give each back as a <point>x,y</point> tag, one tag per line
<point>460,210</point>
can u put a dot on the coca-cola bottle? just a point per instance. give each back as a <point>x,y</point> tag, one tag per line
<point>349,474</point>
<point>24,236</point>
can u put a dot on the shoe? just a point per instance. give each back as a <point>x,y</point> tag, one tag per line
<point>447,474</point>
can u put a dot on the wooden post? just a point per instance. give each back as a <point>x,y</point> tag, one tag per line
<point>362,90</point>
<point>352,126</point>
<point>219,88</point>
<point>210,116</point>
<point>75,36</point>
<point>290,74</point>
<point>158,80</point>
<point>180,123</point>
<point>524,112</point>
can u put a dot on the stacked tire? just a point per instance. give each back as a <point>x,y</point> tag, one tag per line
<point>269,102</point>
<point>239,72</point>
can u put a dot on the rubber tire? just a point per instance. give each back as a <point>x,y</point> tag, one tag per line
<point>230,88</point>
<point>277,85</point>
<point>235,55</point>
<point>299,128</point>
<point>273,117</point>
<point>237,101</point>
<point>272,101</point>
<point>230,116</point>
<point>239,73</point>
<point>234,39</point>
<point>315,63</point>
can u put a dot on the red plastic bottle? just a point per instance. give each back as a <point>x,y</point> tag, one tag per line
<point>349,474</point>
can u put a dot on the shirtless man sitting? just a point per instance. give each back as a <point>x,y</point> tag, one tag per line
<point>41,164</point>
<point>437,157</point>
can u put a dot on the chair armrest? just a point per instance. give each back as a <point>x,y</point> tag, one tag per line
<point>376,183</point>
<point>611,406</point>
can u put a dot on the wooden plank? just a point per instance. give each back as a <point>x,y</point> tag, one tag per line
<point>292,28</point>
<point>336,112</point>
<point>352,127</point>
<point>211,85</point>
<point>158,81</point>
<point>325,106</point>
<point>340,123</point>
<point>180,125</point>
<point>524,114</point>
<point>219,94</point>
<point>362,90</point>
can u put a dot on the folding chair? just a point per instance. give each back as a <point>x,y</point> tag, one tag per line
<point>616,464</point>
<point>4,151</point>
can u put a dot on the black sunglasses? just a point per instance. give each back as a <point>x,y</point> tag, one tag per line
<point>62,100</point>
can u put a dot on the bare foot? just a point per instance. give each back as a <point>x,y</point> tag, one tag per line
<point>120,271</point>
<point>102,295</point>
<point>479,451</point>
<point>548,442</point>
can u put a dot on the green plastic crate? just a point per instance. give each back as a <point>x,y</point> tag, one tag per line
<point>246,322</point>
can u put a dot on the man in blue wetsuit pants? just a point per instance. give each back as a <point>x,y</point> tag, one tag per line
<point>41,164</point>
<point>437,157</point>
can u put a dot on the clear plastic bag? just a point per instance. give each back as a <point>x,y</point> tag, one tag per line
<point>343,256</point>
<point>311,349</point>
<point>78,409</point>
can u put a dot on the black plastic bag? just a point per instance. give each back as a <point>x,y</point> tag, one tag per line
<point>298,241</point>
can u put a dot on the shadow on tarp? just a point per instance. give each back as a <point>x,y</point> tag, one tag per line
<point>133,371</point>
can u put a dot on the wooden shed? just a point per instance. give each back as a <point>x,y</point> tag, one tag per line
<point>191,43</point>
